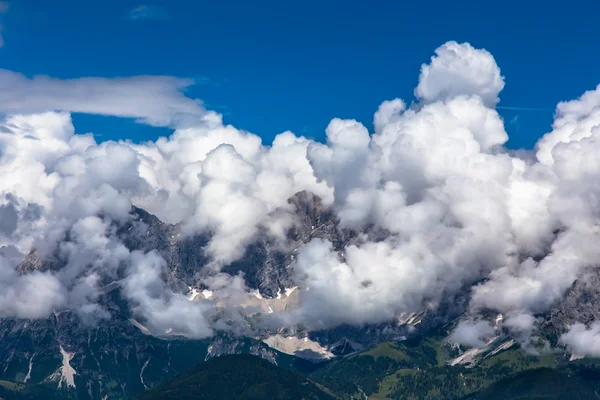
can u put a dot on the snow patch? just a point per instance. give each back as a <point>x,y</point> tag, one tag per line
<point>410,318</point>
<point>66,373</point>
<point>142,372</point>
<point>503,346</point>
<point>141,327</point>
<point>467,357</point>
<point>28,377</point>
<point>193,293</point>
<point>299,347</point>
<point>499,319</point>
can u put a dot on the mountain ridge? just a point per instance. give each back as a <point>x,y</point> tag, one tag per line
<point>266,269</point>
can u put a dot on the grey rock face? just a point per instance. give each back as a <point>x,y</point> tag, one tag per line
<point>581,304</point>
<point>115,358</point>
<point>269,268</point>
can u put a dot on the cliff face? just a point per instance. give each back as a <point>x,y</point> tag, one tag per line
<point>118,356</point>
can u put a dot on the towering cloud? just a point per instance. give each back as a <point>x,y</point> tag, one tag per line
<point>460,69</point>
<point>437,202</point>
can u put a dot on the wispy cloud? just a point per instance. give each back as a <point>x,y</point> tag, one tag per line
<point>515,122</point>
<point>147,11</point>
<point>154,100</point>
<point>3,10</point>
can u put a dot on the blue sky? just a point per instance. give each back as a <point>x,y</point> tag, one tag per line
<point>271,66</point>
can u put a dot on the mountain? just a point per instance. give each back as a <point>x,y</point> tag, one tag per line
<point>423,367</point>
<point>241,377</point>
<point>426,367</point>
<point>120,355</point>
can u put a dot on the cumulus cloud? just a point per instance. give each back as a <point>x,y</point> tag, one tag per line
<point>387,112</point>
<point>520,323</point>
<point>164,312</point>
<point>432,200</point>
<point>459,69</point>
<point>576,123</point>
<point>472,334</point>
<point>226,175</point>
<point>583,341</point>
<point>34,295</point>
<point>344,163</point>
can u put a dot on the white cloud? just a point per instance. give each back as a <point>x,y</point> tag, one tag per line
<point>460,69</point>
<point>574,121</point>
<point>520,325</point>
<point>583,341</point>
<point>147,11</point>
<point>163,312</point>
<point>34,295</point>
<point>154,100</point>
<point>472,334</point>
<point>387,112</point>
<point>3,9</point>
<point>226,203</point>
<point>456,207</point>
<point>376,281</point>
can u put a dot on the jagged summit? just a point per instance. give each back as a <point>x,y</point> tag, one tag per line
<point>121,348</point>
